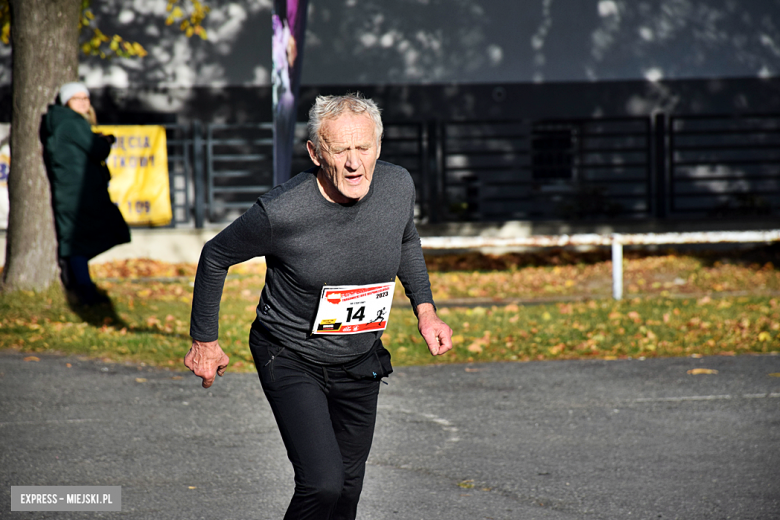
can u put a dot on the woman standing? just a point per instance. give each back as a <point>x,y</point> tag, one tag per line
<point>87,222</point>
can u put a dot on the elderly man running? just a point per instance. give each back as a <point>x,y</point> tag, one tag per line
<point>334,237</point>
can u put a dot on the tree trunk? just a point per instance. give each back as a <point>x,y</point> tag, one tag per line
<point>44,36</point>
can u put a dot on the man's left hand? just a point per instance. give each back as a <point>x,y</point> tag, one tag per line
<point>437,334</point>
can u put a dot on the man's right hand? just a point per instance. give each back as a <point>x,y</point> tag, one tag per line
<point>206,360</point>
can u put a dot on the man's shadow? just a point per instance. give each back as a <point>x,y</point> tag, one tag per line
<point>97,315</point>
<point>104,314</point>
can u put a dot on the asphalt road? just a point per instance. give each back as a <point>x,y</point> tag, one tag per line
<point>543,440</point>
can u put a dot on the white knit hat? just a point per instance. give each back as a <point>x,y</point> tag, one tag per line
<point>68,90</point>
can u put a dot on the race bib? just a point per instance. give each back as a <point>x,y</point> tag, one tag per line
<point>350,309</point>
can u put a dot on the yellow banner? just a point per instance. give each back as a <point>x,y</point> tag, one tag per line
<point>139,173</point>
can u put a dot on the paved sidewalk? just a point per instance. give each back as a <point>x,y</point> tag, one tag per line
<point>542,440</point>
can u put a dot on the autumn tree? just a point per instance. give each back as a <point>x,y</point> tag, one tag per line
<point>45,39</point>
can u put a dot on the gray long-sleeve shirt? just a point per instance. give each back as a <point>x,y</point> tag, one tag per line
<point>309,242</point>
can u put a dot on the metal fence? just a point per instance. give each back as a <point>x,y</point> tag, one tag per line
<point>536,170</point>
<point>724,166</point>
<point>180,171</point>
<point>239,162</point>
<point>239,167</point>
<point>575,169</point>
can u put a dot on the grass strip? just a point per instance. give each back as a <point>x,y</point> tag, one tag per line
<point>148,322</point>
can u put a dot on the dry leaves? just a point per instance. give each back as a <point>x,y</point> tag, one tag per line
<point>558,273</point>
<point>479,344</point>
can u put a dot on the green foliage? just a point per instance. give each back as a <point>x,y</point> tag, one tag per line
<point>5,21</point>
<point>189,24</point>
<point>95,43</point>
<point>93,39</point>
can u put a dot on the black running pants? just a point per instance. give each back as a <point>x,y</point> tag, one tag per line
<point>327,423</point>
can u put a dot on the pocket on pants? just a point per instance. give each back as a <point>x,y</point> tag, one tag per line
<point>264,354</point>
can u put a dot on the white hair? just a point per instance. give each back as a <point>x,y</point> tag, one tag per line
<point>331,107</point>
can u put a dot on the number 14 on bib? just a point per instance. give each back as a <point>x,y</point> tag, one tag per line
<point>351,309</point>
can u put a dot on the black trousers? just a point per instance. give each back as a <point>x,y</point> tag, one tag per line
<point>326,419</point>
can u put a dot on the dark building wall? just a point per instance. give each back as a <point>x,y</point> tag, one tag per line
<point>444,59</point>
<point>447,102</point>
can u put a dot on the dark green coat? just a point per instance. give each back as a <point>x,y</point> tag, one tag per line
<point>87,222</point>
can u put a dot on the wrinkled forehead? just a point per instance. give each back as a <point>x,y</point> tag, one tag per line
<point>349,129</point>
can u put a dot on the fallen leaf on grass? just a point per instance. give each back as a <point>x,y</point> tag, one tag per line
<point>151,321</point>
<point>557,349</point>
<point>475,347</point>
<point>702,371</point>
<point>32,358</point>
<point>478,344</point>
<point>137,268</point>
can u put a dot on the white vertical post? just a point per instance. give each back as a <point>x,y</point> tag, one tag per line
<point>617,269</point>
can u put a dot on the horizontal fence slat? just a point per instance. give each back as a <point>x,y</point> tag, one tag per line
<point>239,141</point>
<point>242,189</point>
<point>241,158</point>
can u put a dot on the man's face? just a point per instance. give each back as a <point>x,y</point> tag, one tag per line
<point>348,154</point>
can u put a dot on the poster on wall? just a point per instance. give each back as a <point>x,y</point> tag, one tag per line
<point>139,173</point>
<point>5,168</point>
<point>289,28</point>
